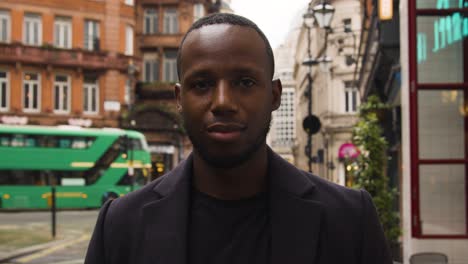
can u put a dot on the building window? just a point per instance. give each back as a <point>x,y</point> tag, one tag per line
<point>62,94</point>
<point>4,91</point>
<point>439,114</point>
<point>170,66</point>
<point>129,41</point>
<point>283,130</point>
<point>150,68</point>
<point>129,2</point>
<point>91,35</point>
<point>170,21</point>
<point>351,97</point>
<point>32,30</point>
<point>91,95</point>
<point>5,30</point>
<point>31,92</point>
<point>151,21</point>
<point>198,11</point>
<point>128,90</point>
<point>63,33</point>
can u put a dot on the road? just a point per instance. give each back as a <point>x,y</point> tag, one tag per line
<point>73,231</point>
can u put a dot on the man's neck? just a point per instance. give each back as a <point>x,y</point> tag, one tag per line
<point>239,182</point>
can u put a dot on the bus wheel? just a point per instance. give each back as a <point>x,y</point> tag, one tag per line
<point>109,196</point>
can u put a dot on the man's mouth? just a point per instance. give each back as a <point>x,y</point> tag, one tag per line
<point>225,131</point>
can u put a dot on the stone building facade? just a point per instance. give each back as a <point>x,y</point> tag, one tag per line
<point>335,96</point>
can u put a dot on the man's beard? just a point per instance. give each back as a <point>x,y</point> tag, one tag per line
<point>232,161</point>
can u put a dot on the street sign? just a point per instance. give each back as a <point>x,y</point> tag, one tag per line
<point>311,124</point>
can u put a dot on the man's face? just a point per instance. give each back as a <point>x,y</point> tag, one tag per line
<point>226,94</point>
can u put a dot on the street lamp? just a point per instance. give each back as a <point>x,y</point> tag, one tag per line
<point>322,14</point>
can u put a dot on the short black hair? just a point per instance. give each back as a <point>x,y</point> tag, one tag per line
<point>230,19</point>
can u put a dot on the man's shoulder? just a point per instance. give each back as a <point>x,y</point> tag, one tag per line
<point>137,199</point>
<point>333,194</point>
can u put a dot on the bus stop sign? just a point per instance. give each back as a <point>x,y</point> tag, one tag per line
<point>311,124</point>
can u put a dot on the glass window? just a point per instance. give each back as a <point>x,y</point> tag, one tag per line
<point>62,94</point>
<point>91,35</point>
<point>170,21</point>
<point>442,199</point>
<point>4,91</point>
<point>63,33</point>
<point>151,23</point>
<point>91,95</point>
<point>198,11</point>
<point>151,69</point>
<point>129,40</point>
<point>31,92</point>
<point>4,140</point>
<point>128,90</point>
<point>441,125</point>
<point>170,66</point>
<point>5,30</point>
<point>440,48</point>
<point>129,2</point>
<point>283,127</point>
<point>441,4</point>
<point>32,29</point>
<point>351,97</point>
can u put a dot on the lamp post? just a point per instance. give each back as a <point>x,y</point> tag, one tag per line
<point>131,69</point>
<point>322,14</point>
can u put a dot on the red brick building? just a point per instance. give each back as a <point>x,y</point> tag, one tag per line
<point>65,62</point>
<point>160,26</point>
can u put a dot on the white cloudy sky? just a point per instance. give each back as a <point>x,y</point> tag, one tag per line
<point>274,17</point>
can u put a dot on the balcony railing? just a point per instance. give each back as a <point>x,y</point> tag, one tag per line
<point>73,58</point>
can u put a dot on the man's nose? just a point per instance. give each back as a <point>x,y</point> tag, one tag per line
<point>224,100</point>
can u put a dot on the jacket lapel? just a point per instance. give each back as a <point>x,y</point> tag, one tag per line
<point>295,216</point>
<point>163,232</point>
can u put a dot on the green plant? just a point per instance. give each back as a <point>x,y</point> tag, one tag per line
<point>371,165</point>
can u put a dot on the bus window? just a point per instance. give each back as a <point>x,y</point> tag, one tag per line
<point>136,144</point>
<point>64,143</point>
<point>82,142</point>
<point>140,178</point>
<point>24,177</point>
<point>30,141</point>
<point>17,141</point>
<point>4,140</point>
<point>51,142</point>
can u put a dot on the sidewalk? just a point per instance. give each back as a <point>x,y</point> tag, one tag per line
<point>19,252</point>
<point>25,236</point>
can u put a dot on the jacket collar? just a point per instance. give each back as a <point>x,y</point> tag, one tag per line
<point>295,216</point>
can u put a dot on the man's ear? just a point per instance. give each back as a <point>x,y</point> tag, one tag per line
<point>277,89</point>
<point>177,93</point>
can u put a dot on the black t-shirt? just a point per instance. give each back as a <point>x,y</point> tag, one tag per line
<point>229,232</point>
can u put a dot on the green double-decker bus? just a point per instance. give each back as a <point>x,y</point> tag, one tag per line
<point>85,166</point>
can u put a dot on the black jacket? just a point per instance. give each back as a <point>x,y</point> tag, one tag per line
<point>312,220</point>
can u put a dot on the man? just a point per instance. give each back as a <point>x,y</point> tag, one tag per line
<point>233,200</point>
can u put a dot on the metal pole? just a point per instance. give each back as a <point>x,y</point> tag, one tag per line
<point>309,107</point>
<point>54,211</point>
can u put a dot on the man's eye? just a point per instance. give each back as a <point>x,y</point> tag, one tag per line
<point>200,85</point>
<point>246,82</point>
